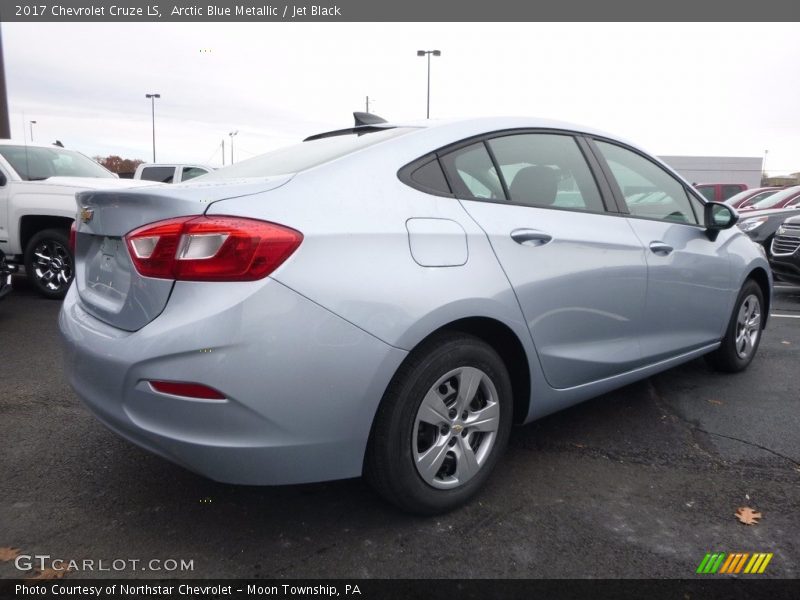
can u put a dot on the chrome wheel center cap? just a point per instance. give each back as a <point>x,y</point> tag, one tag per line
<point>458,428</point>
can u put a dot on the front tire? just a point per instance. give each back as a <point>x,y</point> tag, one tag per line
<point>49,263</point>
<point>442,425</point>
<point>743,336</point>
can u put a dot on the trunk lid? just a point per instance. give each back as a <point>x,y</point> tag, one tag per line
<point>108,284</point>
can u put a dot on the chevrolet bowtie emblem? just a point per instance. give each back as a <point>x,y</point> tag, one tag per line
<point>86,214</point>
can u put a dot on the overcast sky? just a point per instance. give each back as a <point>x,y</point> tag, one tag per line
<point>722,89</point>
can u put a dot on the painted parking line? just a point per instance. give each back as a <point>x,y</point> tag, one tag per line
<point>785,316</point>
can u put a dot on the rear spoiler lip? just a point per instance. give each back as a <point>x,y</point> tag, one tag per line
<point>358,130</point>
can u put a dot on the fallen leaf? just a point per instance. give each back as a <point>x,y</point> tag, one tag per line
<point>717,402</point>
<point>747,515</point>
<point>49,574</point>
<point>785,343</point>
<point>7,554</point>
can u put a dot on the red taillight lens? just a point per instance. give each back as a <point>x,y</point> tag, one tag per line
<point>189,390</point>
<point>215,248</point>
<point>73,231</point>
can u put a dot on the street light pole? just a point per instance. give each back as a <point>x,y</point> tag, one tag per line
<point>152,98</point>
<point>31,123</point>
<point>428,53</point>
<point>232,133</point>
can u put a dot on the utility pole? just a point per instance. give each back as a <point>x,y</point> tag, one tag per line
<point>31,123</point>
<point>232,133</point>
<point>367,103</point>
<point>428,53</point>
<point>223,152</point>
<point>152,98</point>
<point>5,127</point>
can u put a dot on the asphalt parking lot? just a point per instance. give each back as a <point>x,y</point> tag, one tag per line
<point>642,482</point>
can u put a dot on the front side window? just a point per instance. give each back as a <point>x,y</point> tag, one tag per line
<point>649,191</point>
<point>192,172</point>
<point>546,170</point>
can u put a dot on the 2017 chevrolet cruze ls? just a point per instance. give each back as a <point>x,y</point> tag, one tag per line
<point>389,299</point>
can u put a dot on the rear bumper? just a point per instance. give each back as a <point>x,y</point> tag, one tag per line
<point>302,385</point>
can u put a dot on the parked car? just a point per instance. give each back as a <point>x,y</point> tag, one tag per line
<point>719,192</point>
<point>389,299</point>
<point>785,198</point>
<point>170,173</point>
<point>5,276</point>
<point>37,208</point>
<point>750,197</point>
<point>785,259</point>
<point>761,225</point>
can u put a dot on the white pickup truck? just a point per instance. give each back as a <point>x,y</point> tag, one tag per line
<point>37,208</point>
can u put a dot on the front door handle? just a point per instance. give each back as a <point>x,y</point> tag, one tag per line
<point>530,237</point>
<point>660,248</point>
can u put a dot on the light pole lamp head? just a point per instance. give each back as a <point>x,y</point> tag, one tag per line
<point>421,53</point>
<point>152,95</point>
<point>32,122</point>
<point>437,52</point>
<point>233,133</point>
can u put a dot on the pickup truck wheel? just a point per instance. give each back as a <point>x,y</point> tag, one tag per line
<point>49,263</point>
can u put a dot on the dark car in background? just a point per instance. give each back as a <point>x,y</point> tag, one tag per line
<point>785,250</point>
<point>750,197</point>
<point>761,225</point>
<point>719,192</point>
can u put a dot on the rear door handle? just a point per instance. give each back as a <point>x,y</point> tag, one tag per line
<point>660,248</point>
<point>530,237</point>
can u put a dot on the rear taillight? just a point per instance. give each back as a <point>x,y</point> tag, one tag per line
<point>215,248</point>
<point>73,231</point>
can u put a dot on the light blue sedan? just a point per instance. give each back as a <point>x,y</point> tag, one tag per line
<point>389,299</point>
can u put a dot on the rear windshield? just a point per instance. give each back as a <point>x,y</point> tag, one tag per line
<point>33,163</point>
<point>300,157</point>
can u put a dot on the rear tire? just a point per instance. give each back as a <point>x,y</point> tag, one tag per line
<point>442,425</point>
<point>49,263</point>
<point>743,336</point>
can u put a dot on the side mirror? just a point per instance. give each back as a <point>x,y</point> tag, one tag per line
<point>3,179</point>
<point>719,216</point>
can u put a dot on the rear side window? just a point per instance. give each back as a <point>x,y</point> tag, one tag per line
<point>472,173</point>
<point>546,170</point>
<point>430,177</point>
<point>649,191</point>
<point>730,190</point>
<point>162,174</point>
<point>707,192</point>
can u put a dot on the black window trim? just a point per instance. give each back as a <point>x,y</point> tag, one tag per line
<point>617,192</point>
<point>607,197</point>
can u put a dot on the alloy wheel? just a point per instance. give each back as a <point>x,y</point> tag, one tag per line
<point>748,326</point>
<point>52,265</point>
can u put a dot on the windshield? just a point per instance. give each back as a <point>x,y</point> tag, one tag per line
<point>300,157</point>
<point>33,163</point>
<point>753,199</point>
<point>777,198</point>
